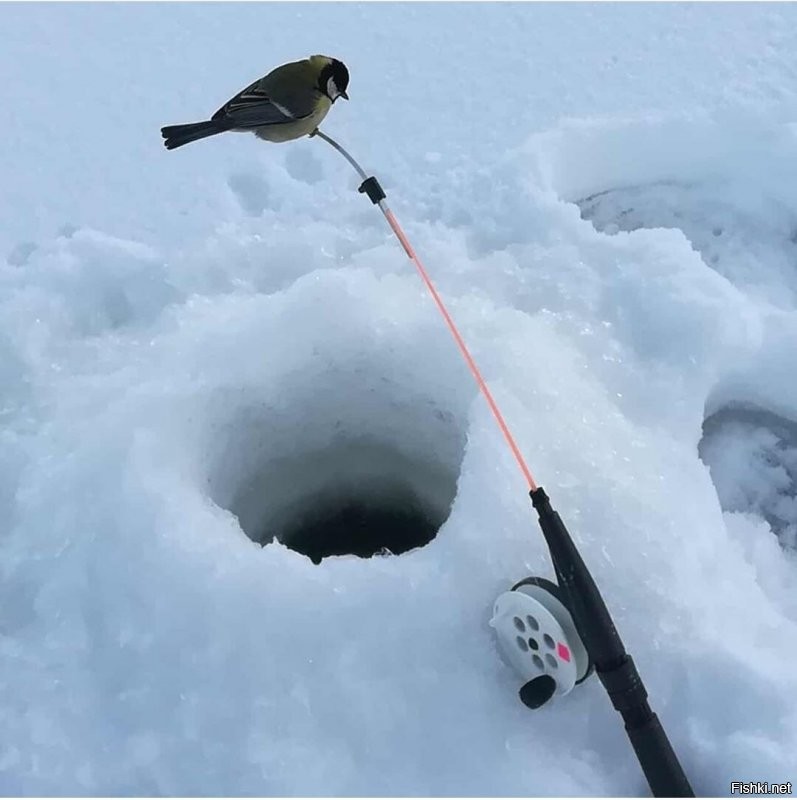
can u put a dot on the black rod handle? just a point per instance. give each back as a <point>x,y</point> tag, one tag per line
<point>654,752</point>
<point>663,771</point>
<point>593,621</point>
<point>615,668</point>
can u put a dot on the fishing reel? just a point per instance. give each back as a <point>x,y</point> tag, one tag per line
<point>537,636</point>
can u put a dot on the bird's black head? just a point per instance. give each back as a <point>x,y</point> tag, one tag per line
<point>333,80</point>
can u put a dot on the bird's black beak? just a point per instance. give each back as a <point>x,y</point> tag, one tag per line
<point>343,95</point>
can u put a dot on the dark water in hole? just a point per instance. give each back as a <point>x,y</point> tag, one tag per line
<point>362,529</point>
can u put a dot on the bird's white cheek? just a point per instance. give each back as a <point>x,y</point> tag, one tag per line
<point>332,89</point>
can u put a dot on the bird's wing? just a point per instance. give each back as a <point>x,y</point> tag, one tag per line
<point>259,104</point>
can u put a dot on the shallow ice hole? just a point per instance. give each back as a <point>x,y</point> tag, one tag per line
<point>363,470</point>
<point>751,453</point>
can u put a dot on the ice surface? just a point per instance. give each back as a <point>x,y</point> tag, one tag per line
<point>195,345</point>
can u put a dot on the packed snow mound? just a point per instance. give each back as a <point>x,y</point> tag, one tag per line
<point>741,221</point>
<point>204,352</point>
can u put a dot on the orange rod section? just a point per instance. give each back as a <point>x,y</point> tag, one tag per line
<point>461,344</point>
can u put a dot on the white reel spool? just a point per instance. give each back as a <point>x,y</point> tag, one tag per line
<point>538,637</point>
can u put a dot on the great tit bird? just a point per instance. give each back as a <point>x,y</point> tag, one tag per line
<point>286,104</point>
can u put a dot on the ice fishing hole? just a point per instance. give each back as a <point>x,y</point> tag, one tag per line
<point>751,453</point>
<point>362,498</point>
<point>389,523</point>
<point>351,472</point>
<point>533,644</point>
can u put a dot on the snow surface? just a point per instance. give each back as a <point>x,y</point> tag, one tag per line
<point>607,198</point>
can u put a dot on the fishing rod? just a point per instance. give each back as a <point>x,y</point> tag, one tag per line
<point>556,634</point>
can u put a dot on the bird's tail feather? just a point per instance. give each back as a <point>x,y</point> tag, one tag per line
<point>178,135</point>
